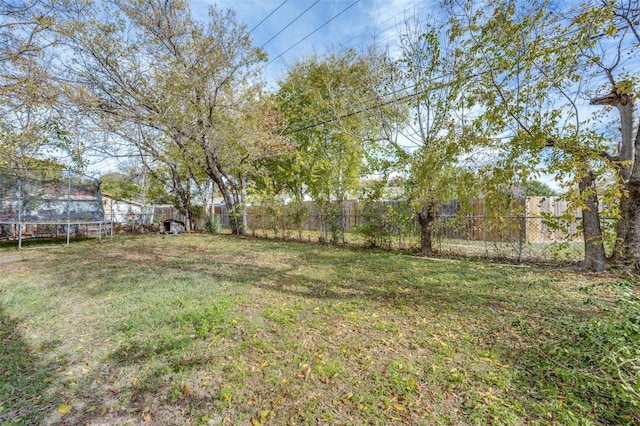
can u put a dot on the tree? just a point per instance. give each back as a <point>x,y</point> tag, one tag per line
<point>31,125</point>
<point>182,92</point>
<point>120,186</point>
<point>534,188</point>
<point>619,38</point>
<point>316,97</point>
<point>526,98</point>
<point>431,139</point>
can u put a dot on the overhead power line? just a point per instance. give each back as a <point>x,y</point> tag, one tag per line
<point>385,28</point>
<point>289,24</point>
<point>268,16</point>
<point>376,104</point>
<point>314,31</point>
<point>352,113</point>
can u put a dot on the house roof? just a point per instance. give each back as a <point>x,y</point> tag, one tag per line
<point>106,195</point>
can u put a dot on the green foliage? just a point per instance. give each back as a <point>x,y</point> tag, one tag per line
<point>159,190</point>
<point>33,126</point>
<point>527,94</point>
<point>434,147</point>
<point>297,214</point>
<point>376,227</point>
<point>329,156</point>
<point>180,91</point>
<point>120,186</point>
<point>534,188</point>
<point>213,226</point>
<point>197,211</point>
<point>383,222</point>
<point>592,365</point>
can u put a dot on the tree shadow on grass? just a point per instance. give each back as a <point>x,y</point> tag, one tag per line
<point>449,290</point>
<point>24,377</point>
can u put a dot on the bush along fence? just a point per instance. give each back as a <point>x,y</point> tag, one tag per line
<point>534,229</point>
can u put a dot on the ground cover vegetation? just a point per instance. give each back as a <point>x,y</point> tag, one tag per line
<point>457,111</point>
<point>192,329</point>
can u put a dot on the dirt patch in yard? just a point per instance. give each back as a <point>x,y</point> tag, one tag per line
<point>9,258</point>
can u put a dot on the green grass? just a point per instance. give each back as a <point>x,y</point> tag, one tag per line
<point>200,329</point>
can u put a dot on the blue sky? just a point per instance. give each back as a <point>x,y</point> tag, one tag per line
<point>360,25</point>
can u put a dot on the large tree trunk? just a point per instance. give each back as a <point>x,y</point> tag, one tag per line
<point>184,195</point>
<point>426,218</point>
<point>594,254</point>
<point>238,211</point>
<point>235,209</point>
<point>244,225</point>
<point>233,199</point>
<point>237,219</point>
<point>628,250</point>
<point>629,246</point>
<point>628,230</point>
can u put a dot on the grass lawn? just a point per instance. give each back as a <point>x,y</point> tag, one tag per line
<point>202,329</point>
<point>559,252</point>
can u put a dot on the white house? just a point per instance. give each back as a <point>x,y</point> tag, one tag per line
<point>125,211</point>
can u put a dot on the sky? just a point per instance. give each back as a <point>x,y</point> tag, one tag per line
<point>295,28</point>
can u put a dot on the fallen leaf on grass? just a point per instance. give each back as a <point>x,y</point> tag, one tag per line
<point>399,407</point>
<point>491,361</point>
<point>264,415</point>
<point>276,401</point>
<point>147,418</point>
<point>64,409</point>
<point>185,390</point>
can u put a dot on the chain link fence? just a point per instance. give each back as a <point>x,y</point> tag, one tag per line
<point>520,238</point>
<point>61,204</point>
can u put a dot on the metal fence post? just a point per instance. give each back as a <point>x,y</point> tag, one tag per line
<point>19,213</point>
<point>68,206</point>
<point>521,238</point>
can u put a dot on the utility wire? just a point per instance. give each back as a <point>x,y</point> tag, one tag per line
<point>314,31</point>
<point>289,24</point>
<point>377,104</point>
<point>268,16</point>
<point>395,25</point>
<point>383,29</point>
<point>373,106</point>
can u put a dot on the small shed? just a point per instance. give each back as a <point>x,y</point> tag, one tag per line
<point>172,226</point>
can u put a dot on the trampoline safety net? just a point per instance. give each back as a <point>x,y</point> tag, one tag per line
<point>48,197</point>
